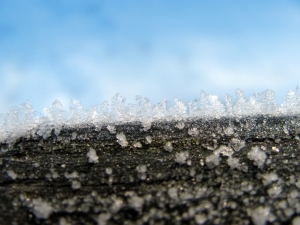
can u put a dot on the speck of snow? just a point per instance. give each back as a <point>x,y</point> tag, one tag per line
<point>149,139</point>
<point>257,155</point>
<point>141,168</point>
<point>122,139</point>
<point>275,149</point>
<point>108,171</point>
<point>76,184</point>
<point>212,160</point>
<point>296,220</point>
<point>137,144</point>
<point>103,218</point>
<point>200,218</point>
<point>274,191</point>
<point>224,150</point>
<point>173,193</point>
<point>193,131</point>
<point>168,146</point>
<point>180,125</point>
<point>136,202</point>
<point>12,174</point>
<point>111,129</point>
<point>41,209</point>
<point>259,216</point>
<point>237,144</point>
<point>181,157</point>
<point>268,178</point>
<point>233,162</point>
<point>72,175</point>
<point>92,156</point>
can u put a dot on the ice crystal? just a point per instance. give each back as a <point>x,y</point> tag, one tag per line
<point>23,121</point>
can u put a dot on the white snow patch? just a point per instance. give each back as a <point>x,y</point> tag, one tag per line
<point>92,156</point>
<point>103,218</point>
<point>137,144</point>
<point>111,129</point>
<point>76,184</point>
<point>41,209</point>
<point>296,220</point>
<point>233,163</point>
<point>257,155</point>
<point>180,125</point>
<point>229,131</point>
<point>73,175</point>
<point>173,193</point>
<point>136,202</point>
<point>122,139</point>
<point>259,216</point>
<point>268,178</point>
<point>224,150</point>
<point>193,131</point>
<point>212,160</point>
<point>149,139</point>
<point>237,144</point>
<point>168,146</point>
<point>200,218</point>
<point>108,171</point>
<point>141,168</point>
<point>12,174</point>
<point>182,157</point>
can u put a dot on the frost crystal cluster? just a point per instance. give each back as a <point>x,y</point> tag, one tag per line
<point>24,121</point>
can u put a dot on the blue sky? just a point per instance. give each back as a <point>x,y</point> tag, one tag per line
<point>91,50</point>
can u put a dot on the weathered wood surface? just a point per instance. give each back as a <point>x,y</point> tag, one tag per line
<point>51,181</point>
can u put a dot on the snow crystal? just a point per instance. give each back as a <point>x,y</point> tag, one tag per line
<point>141,168</point>
<point>296,220</point>
<point>275,149</point>
<point>233,162</point>
<point>260,215</point>
<point>274,191</point>
<point>136,202</point>
<point>182,157</point>
<point>122,139</point>
<point>269,178</point>
<point>12,174</point>
<point>103,218</point>
<point>41,209</point>
<point>258,156</point>
<point>108,171</point>
<point>148,139</point>
<point>229,131</point>
<point>92,156</point>
<point>76,184</point>
<point>212,160</point>
<point>63,221</point>
<point>168,147</point>
<point>224,150</point>
<point>146,123</point>
<point>74,135</point>
<point>180,125</point>
<point>237,144</point>
<point>193,131</point>
<point>137,144</point>
<point>173,193</point>
<point>111,129</point>
<point>200,218</point>
<point>72,175</point>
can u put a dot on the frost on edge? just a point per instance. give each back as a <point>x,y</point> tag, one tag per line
<point>23,121</point>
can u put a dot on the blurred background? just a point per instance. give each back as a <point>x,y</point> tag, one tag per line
<point>90,50</point>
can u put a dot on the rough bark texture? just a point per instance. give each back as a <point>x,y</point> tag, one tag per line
<point>181,176</point>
